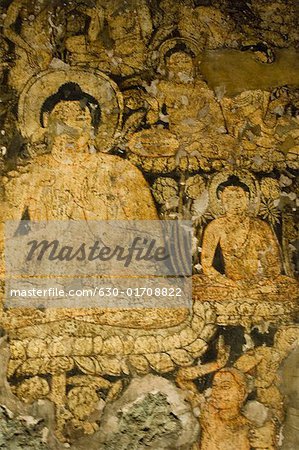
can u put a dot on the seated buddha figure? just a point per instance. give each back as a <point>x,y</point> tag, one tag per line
<point>74,182</point>
<point>186,99</point>
<point>185,118</point>
<point>248,247</point>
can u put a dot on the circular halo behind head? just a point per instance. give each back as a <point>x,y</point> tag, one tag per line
<point>94,83</point>
<point>245,178</point>
<point>176,44</point>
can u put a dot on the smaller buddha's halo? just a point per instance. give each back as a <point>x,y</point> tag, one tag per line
<point>158,56</point>
<point>92,82</point>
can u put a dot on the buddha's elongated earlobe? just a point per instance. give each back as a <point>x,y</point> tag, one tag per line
<point>92,148</point>
<point>45,119</point>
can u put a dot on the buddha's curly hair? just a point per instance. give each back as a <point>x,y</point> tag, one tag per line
<point>72,92</point>
<point>233,180</point>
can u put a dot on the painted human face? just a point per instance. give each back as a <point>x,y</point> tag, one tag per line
<point>72,122</point>
<point>180,66</point>
<point>226,391</point>
<point>235,200</point>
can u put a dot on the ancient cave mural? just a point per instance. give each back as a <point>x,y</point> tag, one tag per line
<point>153,109</point>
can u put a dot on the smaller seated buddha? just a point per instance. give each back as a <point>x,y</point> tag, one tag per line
<point>185,119</point>
<point>249,251</point>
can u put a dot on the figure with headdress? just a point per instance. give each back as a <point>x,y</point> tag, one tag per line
<point>227,420</point>
<point>116,38</point>
<point>34,46</point>
<point>195,20</point>
<point>187,120</point>
<point>223,426</point>
<point>263,364</point>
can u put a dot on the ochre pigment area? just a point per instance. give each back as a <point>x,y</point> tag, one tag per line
<point>155,110</point>
<point>233,71</point>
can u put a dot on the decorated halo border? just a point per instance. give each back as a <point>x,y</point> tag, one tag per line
<point>93,82</point>
<point>246,178</point>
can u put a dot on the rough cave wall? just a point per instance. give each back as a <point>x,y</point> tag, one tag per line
<point>191,110</point>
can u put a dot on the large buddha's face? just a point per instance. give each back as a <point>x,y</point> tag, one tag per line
<point>71,122</point>
<point>235,200</point>
<point>180,67</point>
